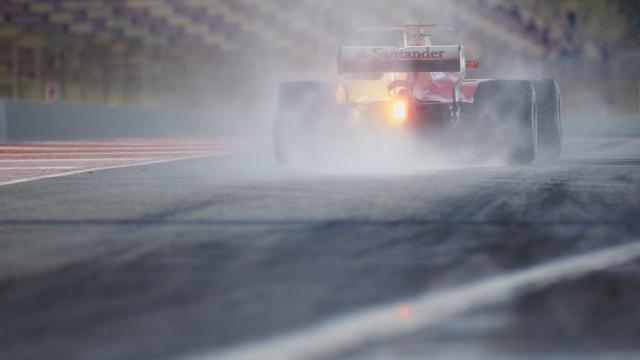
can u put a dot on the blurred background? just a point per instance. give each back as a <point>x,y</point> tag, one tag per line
<point>208,54</point>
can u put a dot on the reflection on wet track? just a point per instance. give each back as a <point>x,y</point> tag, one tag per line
<point>200,256</point>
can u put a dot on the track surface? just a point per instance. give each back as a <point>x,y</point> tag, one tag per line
<point>197,256</point>
<point>20,162</point>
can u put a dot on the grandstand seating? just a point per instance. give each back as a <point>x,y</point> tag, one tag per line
<point>133,39</point>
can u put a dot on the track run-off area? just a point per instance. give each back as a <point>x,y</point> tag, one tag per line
<point>213,251</point>
<point>27,161</point>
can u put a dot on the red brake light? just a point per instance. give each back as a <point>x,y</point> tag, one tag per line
<point>398,111</point>
<point>473,64</point>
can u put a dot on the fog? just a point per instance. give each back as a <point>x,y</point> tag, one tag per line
<point>170,190</point>
<point>246,80</point>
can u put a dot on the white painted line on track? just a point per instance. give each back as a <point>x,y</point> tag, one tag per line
<point>91,169</point>
<point>103,148</point>
<point>425,310</point>
<point>76,159</point>
<point>37,168</point>
<point>105,153</point>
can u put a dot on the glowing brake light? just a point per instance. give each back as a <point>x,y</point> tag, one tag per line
<point>398,112</point>
<point>473,64</point>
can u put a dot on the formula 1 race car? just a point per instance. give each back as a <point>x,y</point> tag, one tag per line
<point>420,88</point>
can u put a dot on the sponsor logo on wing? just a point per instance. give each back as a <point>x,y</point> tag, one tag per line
<point>408,54</point>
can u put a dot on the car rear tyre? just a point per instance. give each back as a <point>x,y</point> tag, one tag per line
<point>549,118</point>
<point>505,121</point>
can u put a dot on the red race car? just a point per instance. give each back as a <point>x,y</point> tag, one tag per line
<point>419,88</point>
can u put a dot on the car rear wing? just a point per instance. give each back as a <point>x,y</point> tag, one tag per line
<point>376,59</point>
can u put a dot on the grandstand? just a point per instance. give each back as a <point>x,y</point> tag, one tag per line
<point>589,28</point>
<point>179,52</point>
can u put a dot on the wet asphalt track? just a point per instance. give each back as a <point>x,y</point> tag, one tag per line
<point>174,259</point>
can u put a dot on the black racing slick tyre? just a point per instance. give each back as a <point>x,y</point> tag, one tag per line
<point>549,108</point>
<point>504,114</point>
<point>301,107</point>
